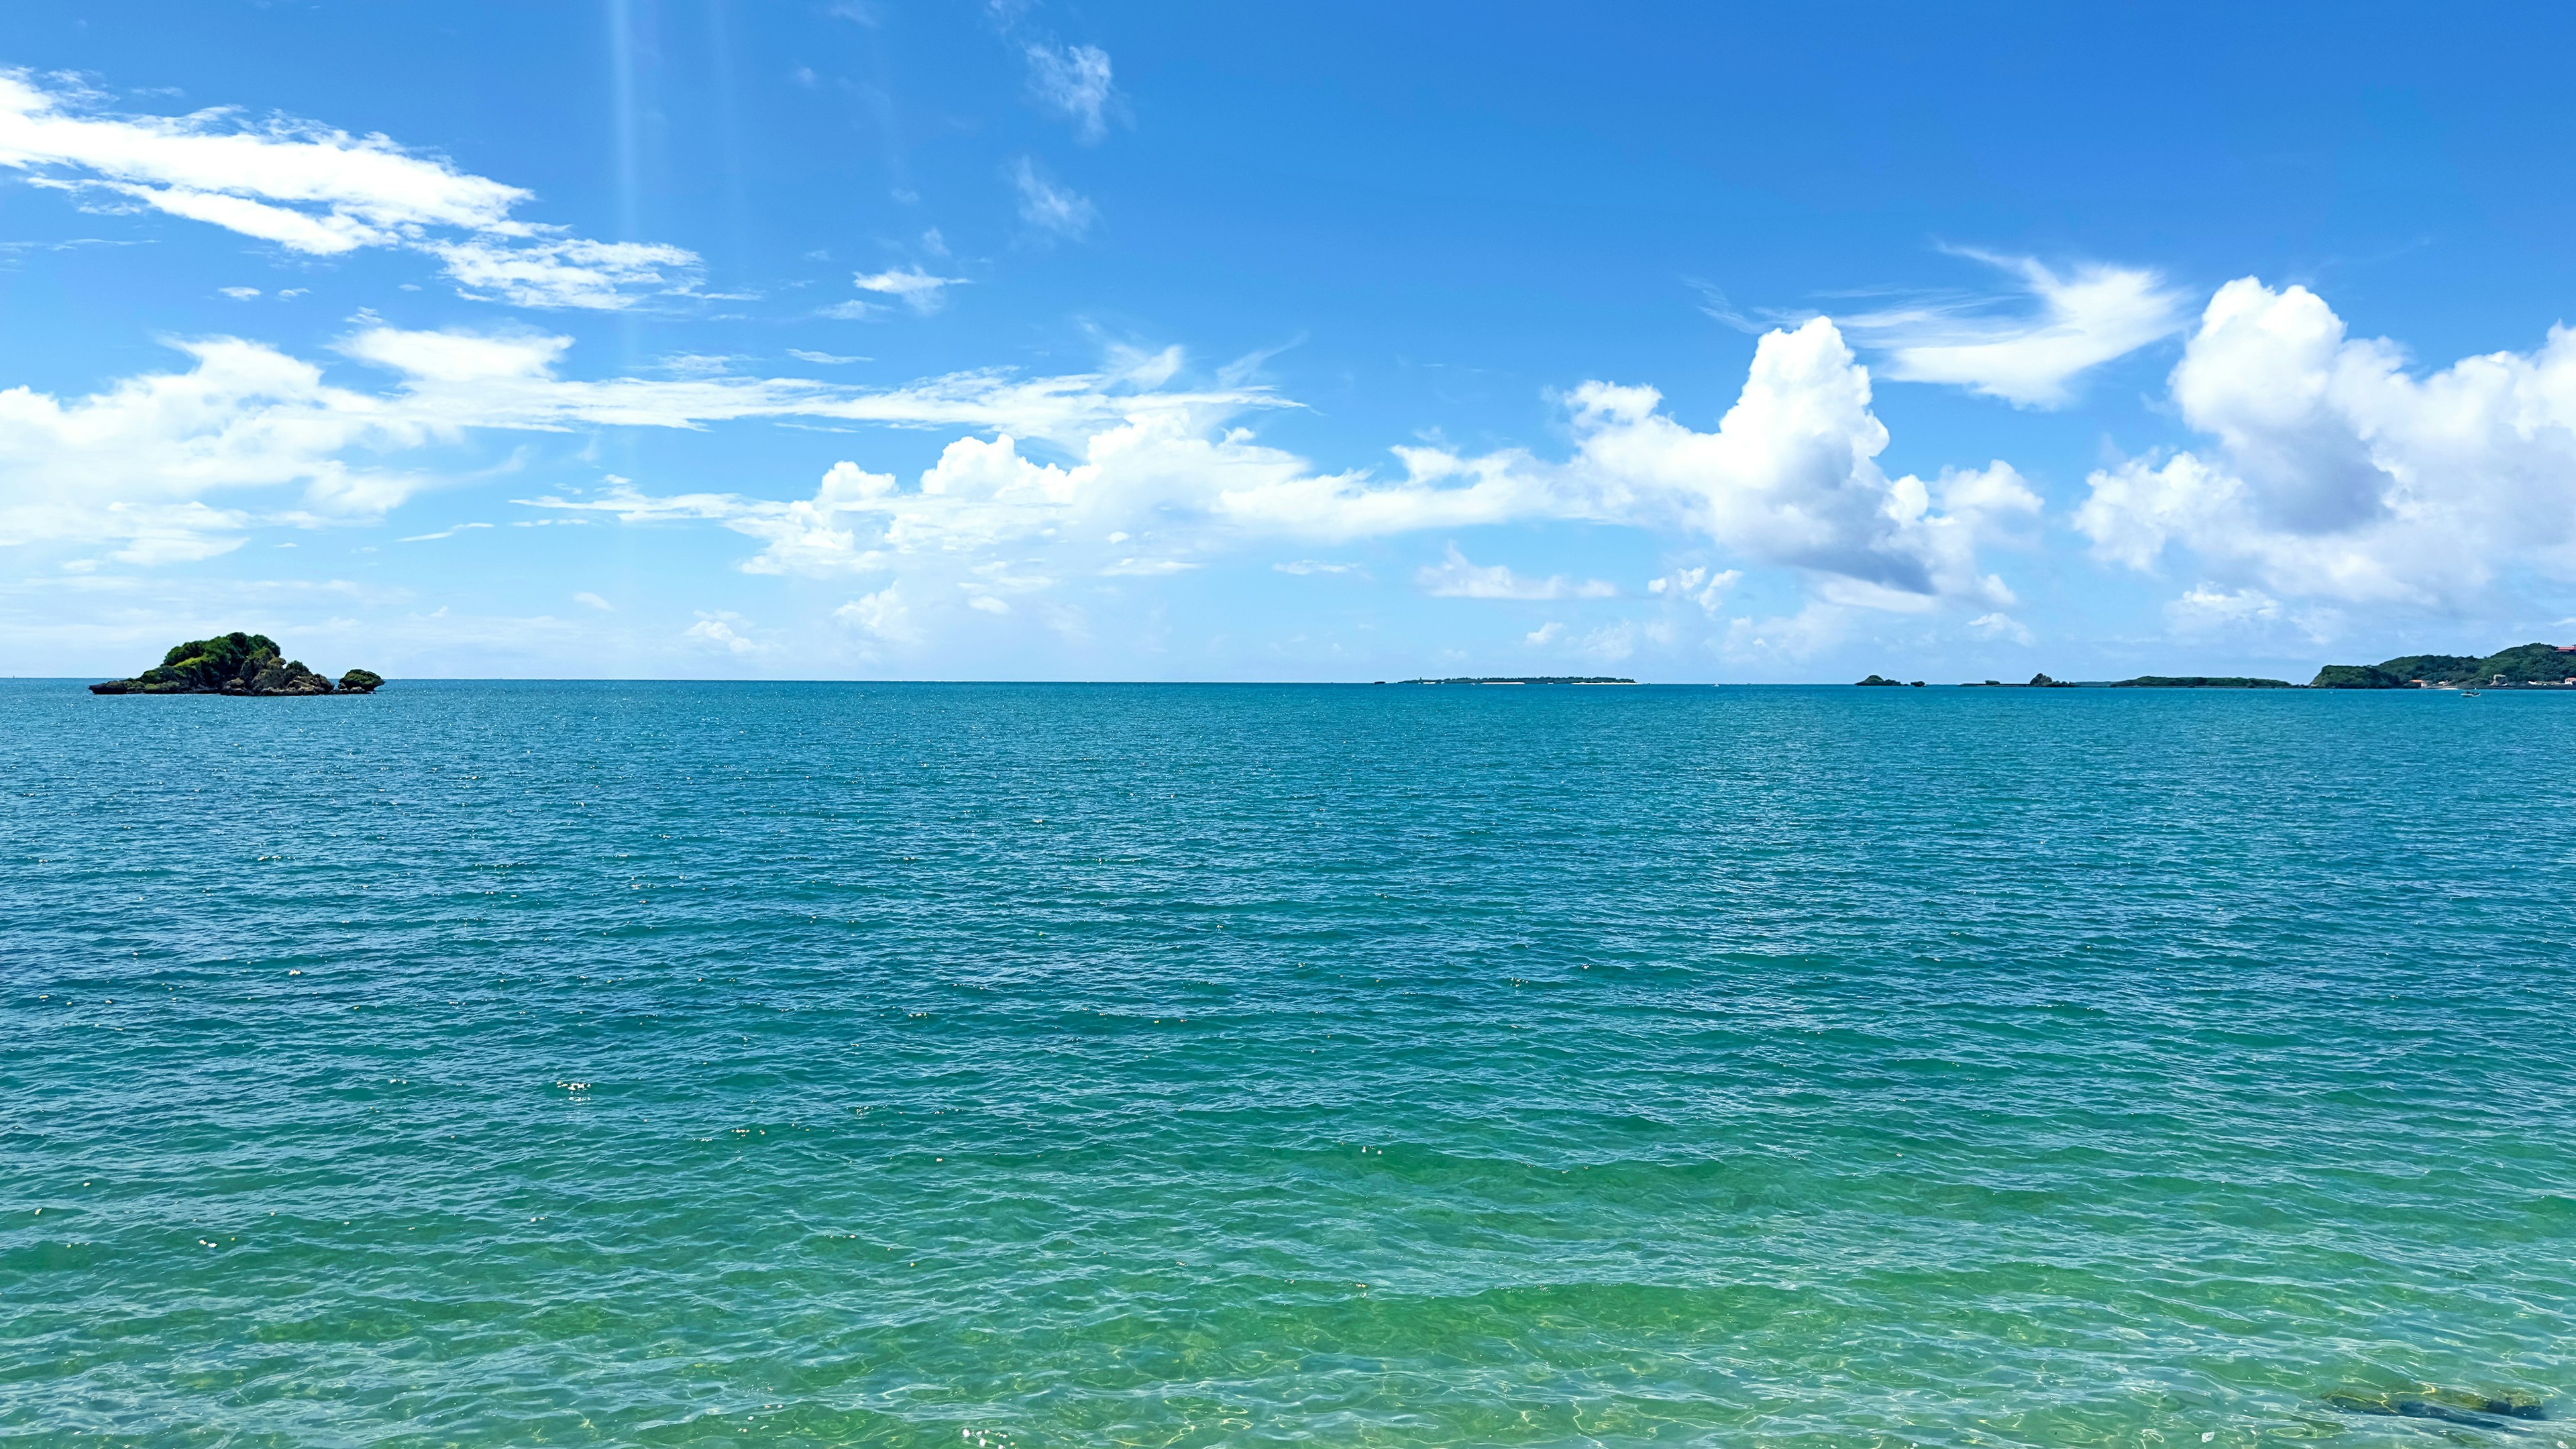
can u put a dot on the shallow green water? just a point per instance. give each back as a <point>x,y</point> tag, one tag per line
<point>681,1064</point>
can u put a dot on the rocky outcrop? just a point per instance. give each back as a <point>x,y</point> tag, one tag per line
<point>235,663</point>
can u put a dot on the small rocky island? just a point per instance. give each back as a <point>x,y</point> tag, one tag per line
<point>236,663</point>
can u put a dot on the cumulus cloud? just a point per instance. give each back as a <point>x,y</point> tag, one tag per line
<point>718,631</point>
<point>322,192</point>
<point>1052,209</point>
<point>2073,322</point>
<point>2337,473</point>
<point>912,286</point>
<point>881,615</point>
<point>1790,477</point>
<point>1074,82</point>
<point>1456,578</point>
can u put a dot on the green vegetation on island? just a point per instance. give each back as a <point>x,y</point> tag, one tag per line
<point>1895,683</point>
<point>2523,666</point>
<point>236,663</point>
<point>1526,679</point>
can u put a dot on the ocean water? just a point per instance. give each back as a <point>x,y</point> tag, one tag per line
<point>569,1064</point>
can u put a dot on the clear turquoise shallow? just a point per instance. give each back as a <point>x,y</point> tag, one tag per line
<point>514,1064</point>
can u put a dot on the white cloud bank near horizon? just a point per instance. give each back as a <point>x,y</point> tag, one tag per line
<point>1158,482</point>
<point>2334,477</point>
<point>1133,476</point>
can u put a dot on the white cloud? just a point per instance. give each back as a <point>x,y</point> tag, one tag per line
<point>322,192</point>
<point>2338,474</point>
<point>1074,81</point>
<point>2083,319</point>
<point>1788,478</point>
<point>823,359</point>
<point>1304,566</point>
<point>1456,578</point>
<point>599,276</point>
<point>442,533</point>
<point>1048,207</point>
<point>166,466</point>
<point>1071,468</point>
<point>881,615</point>
<point>916,288</point>
<point>1608,644</point>
<point>594,601</point>
<point>1697,585</point>
<point>717,631</point>
<point>239,294</point>
<point>1790,638</point>
<point>2202,608</point>
<point>2001,626</point>
<point>147,466</point>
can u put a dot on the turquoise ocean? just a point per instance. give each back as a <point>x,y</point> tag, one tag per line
<point>512,1064</point>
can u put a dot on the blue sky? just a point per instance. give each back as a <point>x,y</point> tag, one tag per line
<point>704,338</point>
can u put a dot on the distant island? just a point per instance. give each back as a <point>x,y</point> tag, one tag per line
<point>236,663</point>
<point>2199,681</point>
<point>1525,679</point>
<point>2525,666</point>
<point>2143,681</point>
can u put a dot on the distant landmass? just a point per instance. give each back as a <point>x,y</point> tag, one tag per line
<point>1525,679</point>
<point>2199,681</point>
<point>2523,666</point>
<point>236,663</point>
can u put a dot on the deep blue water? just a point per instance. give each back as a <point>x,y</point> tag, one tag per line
<point>514,1064</point>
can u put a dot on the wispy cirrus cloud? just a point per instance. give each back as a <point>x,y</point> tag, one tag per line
<point>1054,210</point>
<point>1075,82</point>
<point>2027,347</point>
<point>915,288</point>
<point>322,192</point>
